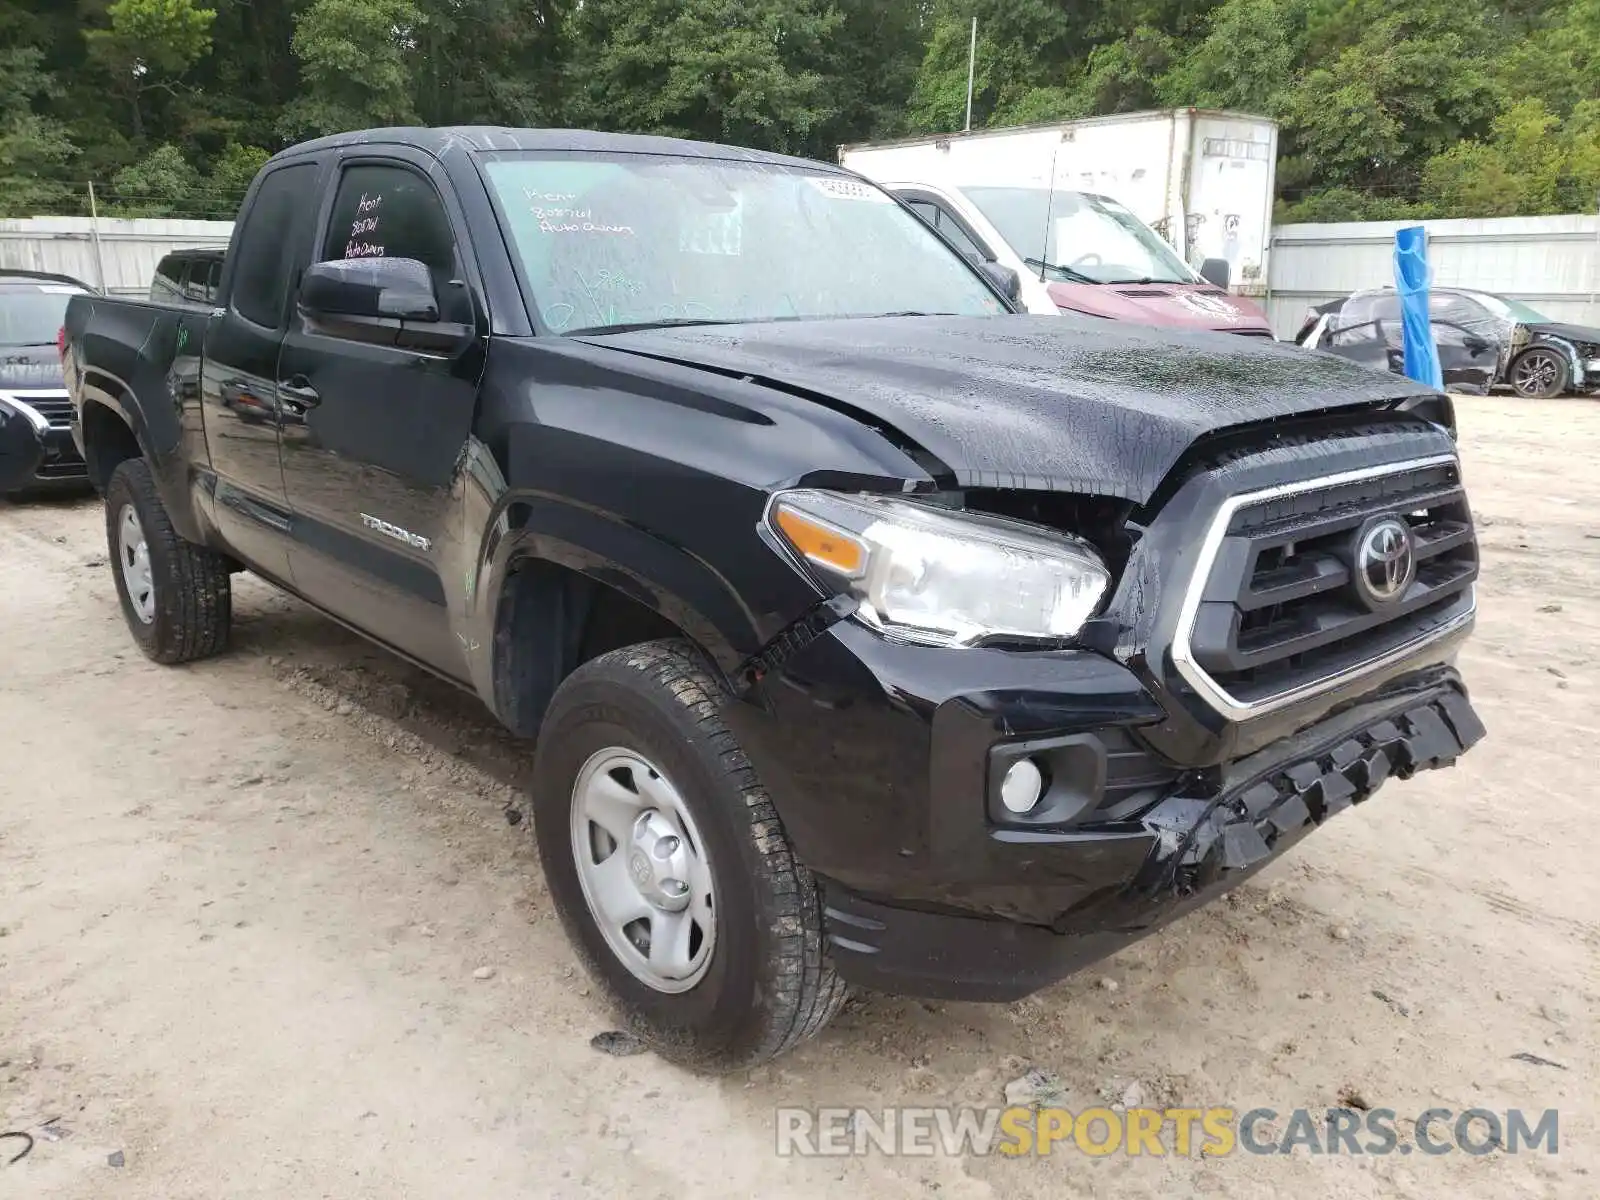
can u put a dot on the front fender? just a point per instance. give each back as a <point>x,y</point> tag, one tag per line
<point>669,579</point>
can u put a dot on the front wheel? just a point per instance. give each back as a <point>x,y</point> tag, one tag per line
<point>670,868</point>
<point>1540,373</point>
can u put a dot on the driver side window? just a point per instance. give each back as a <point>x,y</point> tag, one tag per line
<point>391,211</point>
<point>384,211</point>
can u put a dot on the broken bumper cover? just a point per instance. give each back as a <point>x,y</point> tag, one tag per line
<point>1195,847</point>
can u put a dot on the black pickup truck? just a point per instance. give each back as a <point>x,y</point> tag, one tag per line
<point>870,631</point>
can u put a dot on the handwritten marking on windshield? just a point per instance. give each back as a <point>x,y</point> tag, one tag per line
<point>584,227</point>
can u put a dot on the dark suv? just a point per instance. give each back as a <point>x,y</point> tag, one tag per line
<point>188,277</point>
<point>37,452</point>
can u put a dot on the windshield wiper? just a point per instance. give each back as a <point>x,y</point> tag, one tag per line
<point>1145,281</point>
<point>913,312</point>
<point>1074,276</point>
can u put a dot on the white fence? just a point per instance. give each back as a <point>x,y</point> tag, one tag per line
<point>122,258</point>
<point>1550,263</point>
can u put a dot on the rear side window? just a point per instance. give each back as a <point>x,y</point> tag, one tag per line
<point>169,276</point>
<point>268,243</point>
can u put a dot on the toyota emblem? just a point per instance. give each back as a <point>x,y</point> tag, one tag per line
<point>1385,562</point>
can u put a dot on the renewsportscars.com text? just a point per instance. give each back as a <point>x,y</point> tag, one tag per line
<point>1181,1132</point>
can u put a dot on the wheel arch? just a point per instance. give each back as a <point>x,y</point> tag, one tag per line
<point>113,428</point>
<point>554,609</point>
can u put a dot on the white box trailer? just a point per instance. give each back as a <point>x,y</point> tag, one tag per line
<point>1204,179</point>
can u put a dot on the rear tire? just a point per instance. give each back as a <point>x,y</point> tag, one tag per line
<point>176,596</point>
<point>1540,373</point>
<point>755,981</point>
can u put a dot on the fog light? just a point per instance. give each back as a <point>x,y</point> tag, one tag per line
<point>1019,790</point>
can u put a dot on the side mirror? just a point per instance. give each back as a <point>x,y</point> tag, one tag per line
<point>369,289</point>
<point>1216,271</point>
<point>1004,278</point>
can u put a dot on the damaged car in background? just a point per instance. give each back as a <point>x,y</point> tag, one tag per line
<point>1484,341</point>
<point>866,630</point>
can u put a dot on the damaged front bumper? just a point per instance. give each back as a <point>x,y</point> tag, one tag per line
<point>1200,840</point>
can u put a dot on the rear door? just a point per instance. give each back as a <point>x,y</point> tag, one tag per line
<point>239,392</point>
<point>375,431</point>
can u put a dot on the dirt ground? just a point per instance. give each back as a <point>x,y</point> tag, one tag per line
<point>244,905</point>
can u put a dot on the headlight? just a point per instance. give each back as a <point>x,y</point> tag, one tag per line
<point>947,578</point>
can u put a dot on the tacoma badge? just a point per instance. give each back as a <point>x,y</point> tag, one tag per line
<point>394,531</point>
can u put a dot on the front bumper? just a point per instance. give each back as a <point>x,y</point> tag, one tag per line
<point>881,760</point>
<point>35,454</point>
<point>1194,847</point>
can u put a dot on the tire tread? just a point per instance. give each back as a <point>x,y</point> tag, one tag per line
<point>195,608</point>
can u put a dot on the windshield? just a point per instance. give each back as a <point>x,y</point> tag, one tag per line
<point>606,241</point>
<point>1514,310</point>
<point>33,316</point>
<point>1091,239</point>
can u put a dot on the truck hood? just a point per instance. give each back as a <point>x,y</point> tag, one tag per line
<point>1169,305</point>
<point>1054,403</point>
<point>24,368</point>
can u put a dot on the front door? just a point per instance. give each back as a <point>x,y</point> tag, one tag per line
<point>374,433</point>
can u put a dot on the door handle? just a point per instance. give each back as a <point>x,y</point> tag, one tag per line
<point>297,395</point>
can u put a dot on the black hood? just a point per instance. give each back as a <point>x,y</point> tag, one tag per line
<point>35,367</point>
<point>1573,333</point>
<point>1054,403</point>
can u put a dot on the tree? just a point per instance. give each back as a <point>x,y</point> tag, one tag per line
<point>722,70</point>
<point>357,59</point>
<point>34,149</point>
<point>162,184</point>
<point>232,173</point>
<point>149,44</point>
<point>1245,61</point>
<point>1530,164</point>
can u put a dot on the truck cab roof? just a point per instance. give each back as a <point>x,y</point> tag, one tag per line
<point>480,139</point>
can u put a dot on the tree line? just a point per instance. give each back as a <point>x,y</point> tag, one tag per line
<point>1388,108</point>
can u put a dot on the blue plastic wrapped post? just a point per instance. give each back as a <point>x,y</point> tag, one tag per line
<point>1411,282</point>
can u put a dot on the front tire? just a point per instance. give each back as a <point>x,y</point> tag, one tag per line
<point>670,868</point>
<point>176,596</point>
<point>1540,373</point>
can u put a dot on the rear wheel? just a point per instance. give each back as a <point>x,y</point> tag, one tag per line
<point>176,596</point>
<point>670,868</point>
<point>1540,373</point>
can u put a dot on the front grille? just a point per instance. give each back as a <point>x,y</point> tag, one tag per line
<point>1280,611</point>
<point>55,409</point>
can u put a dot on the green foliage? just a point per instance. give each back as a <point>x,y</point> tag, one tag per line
<point>740,71</point>
<point>160,36</point>
<point>1387,108</point>
<point>1215,74</point>
<point>356,63</point>
<point>232,172</point>
<point>34,149</point>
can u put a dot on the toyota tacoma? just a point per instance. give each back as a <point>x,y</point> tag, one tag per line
<point>869,631</point>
